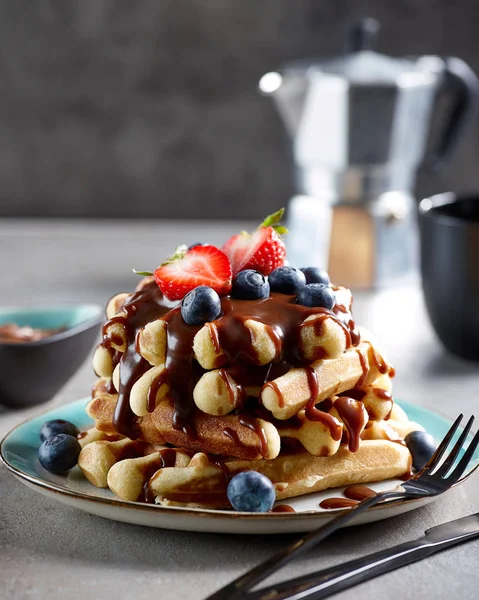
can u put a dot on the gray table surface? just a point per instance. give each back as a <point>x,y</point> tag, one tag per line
<point>50,550</point>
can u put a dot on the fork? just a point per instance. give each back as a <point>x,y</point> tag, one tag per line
<point>432,480</point>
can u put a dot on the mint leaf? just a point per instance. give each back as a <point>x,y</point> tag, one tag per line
<point>273,219</point>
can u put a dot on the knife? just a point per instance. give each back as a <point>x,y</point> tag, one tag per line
<point>322,584</point>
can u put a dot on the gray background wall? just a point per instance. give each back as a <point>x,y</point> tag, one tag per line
<point>149,107</point>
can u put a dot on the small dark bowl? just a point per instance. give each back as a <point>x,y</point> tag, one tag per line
<point>449,226</point>
<point>33,372</point>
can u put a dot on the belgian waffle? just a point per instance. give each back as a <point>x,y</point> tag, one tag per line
<point>299,394</point>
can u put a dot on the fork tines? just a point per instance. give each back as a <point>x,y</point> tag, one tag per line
<point>442,469</point>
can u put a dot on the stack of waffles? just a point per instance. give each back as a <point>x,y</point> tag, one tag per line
<point>298,393</point>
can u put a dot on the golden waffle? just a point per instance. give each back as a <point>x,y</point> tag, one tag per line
<point>296,393</point>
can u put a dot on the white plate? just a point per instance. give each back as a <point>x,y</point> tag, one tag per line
<point>19,448</point>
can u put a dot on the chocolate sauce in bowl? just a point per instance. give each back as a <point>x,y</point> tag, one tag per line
<point>12,333</point>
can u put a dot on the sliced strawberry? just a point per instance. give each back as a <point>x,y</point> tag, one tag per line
<point>187,269</point>
<point>263,250</point>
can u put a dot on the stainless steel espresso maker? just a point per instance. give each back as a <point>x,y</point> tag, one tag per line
<point>359,125</point>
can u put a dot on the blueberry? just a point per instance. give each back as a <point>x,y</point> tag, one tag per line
<point>250,285</point>
<point>195,245</point>
<point>317,294</point>
<point>286,280</point>
<point>59,453</point>
<point>200,305</point>
<point>316,275</point>
<point>51,428</point>
<point>421,446</point>
<point>251,491</point>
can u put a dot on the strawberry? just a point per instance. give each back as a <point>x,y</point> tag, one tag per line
<point>263,250</point>
<point>187,269</point>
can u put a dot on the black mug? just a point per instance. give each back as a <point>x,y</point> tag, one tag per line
<point>449,228</point>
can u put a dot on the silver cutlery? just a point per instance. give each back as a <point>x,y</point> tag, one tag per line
<point>322,584</point>
<point>434,479</point>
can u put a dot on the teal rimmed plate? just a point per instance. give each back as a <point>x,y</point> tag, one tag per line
<point>19,449</point>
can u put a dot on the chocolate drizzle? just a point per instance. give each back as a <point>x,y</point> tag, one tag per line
<point>253,424</point>
<point>166,458</point>
<point>141,307</point>
<point>332,503</point>
<point>353,495</point>
<point>359,492</point>
<point>364,366</point>
<point>282,319</point>
<point>282,508</point>
<point>226,380</point>
<point>354,417</point>
<point>314,414</point>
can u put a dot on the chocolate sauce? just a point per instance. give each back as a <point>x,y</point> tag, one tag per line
<point>382,394</point>
<point>226,380</point>
<point>11,333</point>
<point>283,319</point>
<point>409,474</point>
<point>214,337</point>
<point>142,307</point>
<point>279,394</point>
<point>364,366</point>
<point>318,325</point>
<point>110,387</point>
<point>181,370</point>
<point>334,426</point>
<point>166,458</point>
<point>282,508</point>
<point>353,495</point>
<point>358,492</point>
<point>219,462</point>
<point>312,413</point>
<point>355,393</point>
<point>354,417</point>
<point>331,503</point>
<point>155,385</point>
<point>326,405</point>
<point>280,315</point>
<point>253,424</point>
<point>380,363</point>
<point>232,435</point>
<point>313,382</point>
<point>147,496</point>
